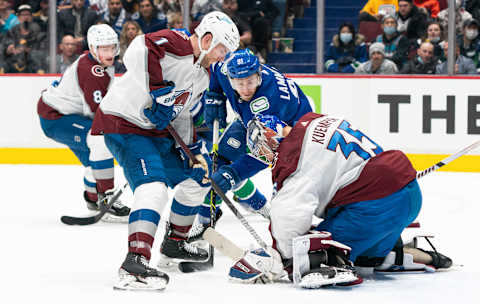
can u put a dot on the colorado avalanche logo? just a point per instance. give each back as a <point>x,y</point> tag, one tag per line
<point>181,98</point>
<point>98,71</point>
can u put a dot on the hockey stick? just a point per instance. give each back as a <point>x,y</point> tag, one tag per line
<point>219,191</point>
<point>104,207</point>
<point>448,159</point>
<point>187,267</point>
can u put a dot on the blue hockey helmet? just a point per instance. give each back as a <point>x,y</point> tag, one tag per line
<point>242,63</point>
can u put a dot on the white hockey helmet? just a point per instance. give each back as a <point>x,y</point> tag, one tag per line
<point>223,31</point>
<point>102,34</point>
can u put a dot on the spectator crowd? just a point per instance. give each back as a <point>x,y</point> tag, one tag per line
<point>24,39</point>
<point>412,39</point>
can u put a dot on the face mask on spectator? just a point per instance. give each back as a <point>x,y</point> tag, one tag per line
<point>389,30</point>
<point>420,60</point>
<point>435,39</point>
<point>471,34</point>
<point>346,37</point>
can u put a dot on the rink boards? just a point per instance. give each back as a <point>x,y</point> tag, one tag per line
<point>426,117</point>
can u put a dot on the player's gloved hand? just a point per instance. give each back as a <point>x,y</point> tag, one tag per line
<point>161,112</point>
<point>215,108</point>
<point>201,171</point>
<point>259,266</point>
<point>226,178</point>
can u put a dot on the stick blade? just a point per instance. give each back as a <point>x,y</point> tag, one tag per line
<point>80,221</point>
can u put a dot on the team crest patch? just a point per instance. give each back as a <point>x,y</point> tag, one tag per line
<point>98,71</point>
<point>234,143</point>
<point>259,105</point>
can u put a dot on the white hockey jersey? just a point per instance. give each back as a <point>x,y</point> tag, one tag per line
<point>151,60</point>
<point>324,163</point>
<point>80,90</point>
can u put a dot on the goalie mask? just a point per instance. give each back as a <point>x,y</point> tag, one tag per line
<point>223,31</point>
<point>244,73</point>
<point>102,35</point>
<point>264,134</point>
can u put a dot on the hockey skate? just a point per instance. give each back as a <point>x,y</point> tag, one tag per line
<point>136,274</point>
<point>196,233</point>
<point>410,258</point>
<point>118,213</point>
<point>176,249</point>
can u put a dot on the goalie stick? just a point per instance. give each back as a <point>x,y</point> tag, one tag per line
<point>104,207</point>
<point>448,159</point>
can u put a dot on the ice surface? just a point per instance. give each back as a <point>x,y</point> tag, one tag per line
<point>44,261</point>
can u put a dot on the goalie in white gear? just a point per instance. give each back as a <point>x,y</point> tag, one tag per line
<point>366,197</point>
<point>66,111</point>
<point>167,72</point>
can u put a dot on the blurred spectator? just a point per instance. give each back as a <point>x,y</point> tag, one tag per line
<point>20,41</point>
<point>67,55</point>
<point>461,15</point>
<point>230,7</point>
<point>175,20</point>
<point>75,21</point>
<point>7,17</point>
<point>63,4</point>
<point>279,21</point>
<point>202,7</point>
<point>116,15</point>
<point>172,6</point>
<point>473,7</point>
<point>469,42</point>
<point>34,4</point>
<point>432,6</point>
<point>423,63</point>
<point>41,16</point>
<point>377,64</point>
<point>130,30</point>
<point>410,20</point>
<point>374,10</point>
<point>100,6</point>
<point>346,51</point>
<point>131,6</point>
<point>436,36</point>
<point>463,65</point>
<point>396,45</point>
<point>259,14</point>
<point>147,17</point>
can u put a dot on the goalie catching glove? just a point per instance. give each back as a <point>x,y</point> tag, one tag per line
<point>259,266</point>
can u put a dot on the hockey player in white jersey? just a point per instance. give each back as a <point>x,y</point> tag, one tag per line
<point>66,111</point>
<point>366,197</point>
<point>167,72</point>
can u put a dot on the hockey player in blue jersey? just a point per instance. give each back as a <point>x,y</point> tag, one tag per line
<point>251,88</point>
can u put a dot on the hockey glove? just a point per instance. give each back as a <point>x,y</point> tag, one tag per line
<point>215,108</point>
<point>161,112</point>
<point>258,266</point>
<point>226,178</point>
<point>201,171</point>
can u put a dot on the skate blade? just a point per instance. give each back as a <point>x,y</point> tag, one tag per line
<point>168,263</point>
<point>110,218</point>
<point>133,283</point>
<point>316,280</point>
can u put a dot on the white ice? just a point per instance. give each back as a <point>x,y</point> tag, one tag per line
<point>45,261</point>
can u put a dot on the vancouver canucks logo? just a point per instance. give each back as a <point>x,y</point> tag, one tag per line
<point>259,105</point>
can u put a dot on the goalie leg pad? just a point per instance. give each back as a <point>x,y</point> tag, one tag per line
<point>318,261</point>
